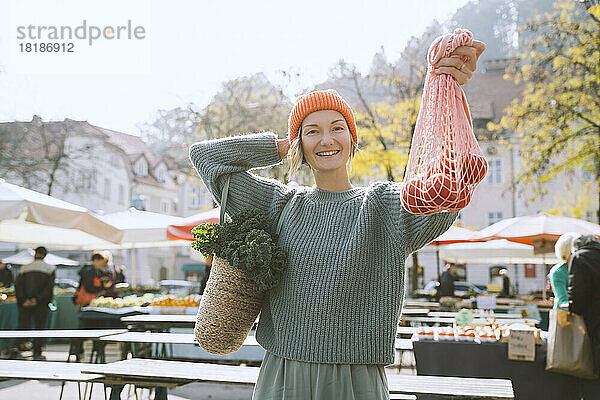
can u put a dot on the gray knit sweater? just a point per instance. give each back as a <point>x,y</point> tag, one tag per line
<point>341,295</point>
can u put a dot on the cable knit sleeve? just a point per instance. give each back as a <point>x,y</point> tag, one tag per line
<point>412,231</point>
<point>235,156</point>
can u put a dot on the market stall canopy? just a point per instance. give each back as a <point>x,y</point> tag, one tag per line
<point>454,235</point>
<point>183,229</point>
<point>26,257</point>
<point>528,229</point>
<point>141,226</point>
<point>31,235</point>
<point>493,252</point>
<point>20,204</point>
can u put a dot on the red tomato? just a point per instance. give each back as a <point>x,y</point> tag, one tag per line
<point>413,197</point>
<point>441,189</point>
<point>474,169</point>
<point>463,200</point>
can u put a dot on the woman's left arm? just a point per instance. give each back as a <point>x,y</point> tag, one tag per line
<point>412,231</point>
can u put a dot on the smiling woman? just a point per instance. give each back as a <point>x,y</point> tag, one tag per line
<point>328,327</point>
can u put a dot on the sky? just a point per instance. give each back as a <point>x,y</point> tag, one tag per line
<point>171,53</point>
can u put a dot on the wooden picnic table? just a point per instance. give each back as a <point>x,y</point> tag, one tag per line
<point>403,344</point>
<point>45,370</point>
<point>405,332</point>
<point>450,321</point>
<point>415,311</point>
<point>179,372</point>
<point>74,335</point>
<point>60,333</point>
<point>421,303</point>
<point>456,388</point>
<point>159,322</point>
<point>159,337</point>
<point>452,314</point>
<point>48,371</point>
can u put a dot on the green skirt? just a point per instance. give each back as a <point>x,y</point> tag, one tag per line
<point>283,379</point>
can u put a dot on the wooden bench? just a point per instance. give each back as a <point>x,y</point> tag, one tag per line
<point>48,371</point>
<point>402,346</point>
<point>161,340</point>
<point>71,334</point>
<point>149,372</point>
<point>405,332</point>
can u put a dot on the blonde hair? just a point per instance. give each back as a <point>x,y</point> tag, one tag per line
<point>296,155</point>
<point>564,245</point>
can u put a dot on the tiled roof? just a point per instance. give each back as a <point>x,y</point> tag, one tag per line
<point>132,146</point>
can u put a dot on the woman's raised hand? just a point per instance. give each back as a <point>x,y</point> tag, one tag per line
<point>283,145</point>
<point>462,62</point>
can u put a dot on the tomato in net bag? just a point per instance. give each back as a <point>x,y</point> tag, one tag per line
<point>445,162</point>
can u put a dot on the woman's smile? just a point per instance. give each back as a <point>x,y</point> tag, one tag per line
<point>328,154</point>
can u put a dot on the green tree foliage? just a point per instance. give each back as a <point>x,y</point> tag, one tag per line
<point>558,116</point>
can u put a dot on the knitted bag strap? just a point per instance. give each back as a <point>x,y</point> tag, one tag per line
<point>224,203</point>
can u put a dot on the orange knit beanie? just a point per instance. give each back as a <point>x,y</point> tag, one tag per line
<point>316,101</point>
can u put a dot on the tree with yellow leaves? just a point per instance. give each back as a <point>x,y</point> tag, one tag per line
<point>558,116</point>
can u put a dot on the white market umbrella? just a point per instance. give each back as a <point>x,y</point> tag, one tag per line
<point>493,252</point>
<point>20,204</point>
<point>541,230</point>
<point>29,234</point>
<point>454,234</point>
<point>25,257</point>
<point>141,226</point>
<point>529,228</point>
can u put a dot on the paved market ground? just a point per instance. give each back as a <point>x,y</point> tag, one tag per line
<point>43,390</point>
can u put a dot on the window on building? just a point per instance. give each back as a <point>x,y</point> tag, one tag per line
<point>121,194</point>
<point>494,172</point>
<point>494,216</point>
<point>165,206</point>
<point>195,197</point>
<point>141,167</point>
<point>529,270</point>
<point>161,174</point>
<point>106,188</point>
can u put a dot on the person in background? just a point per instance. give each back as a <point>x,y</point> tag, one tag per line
<point>584,296</point>
<point>34,290</point>
<point>92,283</point>
<point>506,288</point>
<point>446,287</point>
<point>559,274</point>
<point>95,278</point>
<point>6,275</point>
